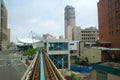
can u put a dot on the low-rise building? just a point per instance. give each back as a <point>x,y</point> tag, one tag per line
<point>99,54</point>
<point>58,51</point>
<point>74,48</point>
<point>106,71</point>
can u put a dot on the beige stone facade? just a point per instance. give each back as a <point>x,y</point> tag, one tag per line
<point>69,32</point>
<point>4,31</point>
<point>69,21</point>
<point>89,34</point>
<point>76,32</point>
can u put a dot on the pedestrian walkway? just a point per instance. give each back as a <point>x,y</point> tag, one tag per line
<point>11,67</point>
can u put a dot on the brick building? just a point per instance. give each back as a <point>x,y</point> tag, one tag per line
<point>109,22</point>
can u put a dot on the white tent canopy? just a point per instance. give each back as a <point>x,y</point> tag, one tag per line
<point>27,40</point>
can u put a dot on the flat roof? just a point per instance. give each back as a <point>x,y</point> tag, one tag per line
<point>104,48</point>
<point>57,40</point>
<point>108,67</point>
<point>105,42</point>
<point>111,64</point>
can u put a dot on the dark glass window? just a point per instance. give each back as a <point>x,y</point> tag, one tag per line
<point>118,1</point>
<point>57,60</point>
<point>58,46</point>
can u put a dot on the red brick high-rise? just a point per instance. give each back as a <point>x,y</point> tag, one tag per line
<point>109,22</point>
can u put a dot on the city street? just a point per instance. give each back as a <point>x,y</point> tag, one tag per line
<point>11,67</point>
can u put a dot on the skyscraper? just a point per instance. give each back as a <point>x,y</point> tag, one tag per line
<point>109,22</point>
<point>4,31</point>
<point>69,21</point>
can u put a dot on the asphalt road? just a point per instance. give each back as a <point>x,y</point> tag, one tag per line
<point>11,67</point>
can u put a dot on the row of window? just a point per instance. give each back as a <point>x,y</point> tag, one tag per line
<point>116,32</point>
<point>88,34</point>
<point>88,31</point>
<point>89,38</point>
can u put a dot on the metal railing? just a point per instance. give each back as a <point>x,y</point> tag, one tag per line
<point>30,69</point>
<point>56,71</point>
<point>28,72</point>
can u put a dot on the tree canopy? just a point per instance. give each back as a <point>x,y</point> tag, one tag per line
<point>29,52</point>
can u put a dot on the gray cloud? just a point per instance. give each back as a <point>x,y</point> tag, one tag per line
<point>47,16</point>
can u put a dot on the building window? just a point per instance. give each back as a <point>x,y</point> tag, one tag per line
<point>116,31</point>
<point>119,1</point>
<point>58,46</point>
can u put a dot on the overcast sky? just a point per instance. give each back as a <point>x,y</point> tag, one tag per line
<point>47,16</point>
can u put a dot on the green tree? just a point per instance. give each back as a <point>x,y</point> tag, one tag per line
<point>84,61</point>
<point>72,77</point>
<point>8,45</point>
<point>30,53</point>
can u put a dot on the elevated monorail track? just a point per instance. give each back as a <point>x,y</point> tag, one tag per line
<point>42,68</point>
<point>51,72</point>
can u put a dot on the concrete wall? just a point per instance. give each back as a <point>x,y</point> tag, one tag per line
<point>93,54</point>
<point>74,46</point>
<point>109,76</point>
<point>39,44</point>
<point>113,77</point>
<point>93,75</point>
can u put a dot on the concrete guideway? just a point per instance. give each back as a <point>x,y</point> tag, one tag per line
<point>46,71</point>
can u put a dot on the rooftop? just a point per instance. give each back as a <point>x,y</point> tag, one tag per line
<point>112,65</point>
<point>108,67</point>
<point>104,48</point>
